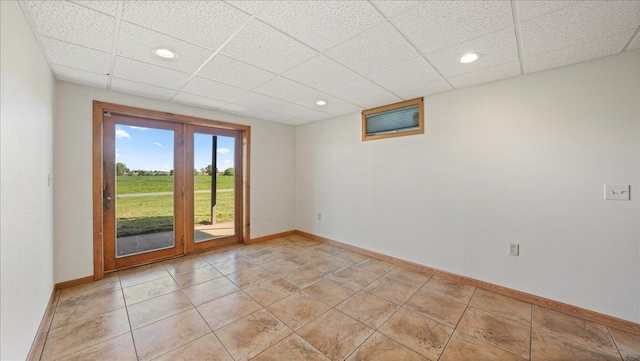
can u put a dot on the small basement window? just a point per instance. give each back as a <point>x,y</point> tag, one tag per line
<point>395,120</point>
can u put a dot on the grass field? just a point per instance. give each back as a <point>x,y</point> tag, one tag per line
<point>130,184</point>
<point>143,215</point>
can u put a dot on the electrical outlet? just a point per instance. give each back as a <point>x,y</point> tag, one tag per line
<point>514,249</point>
<point>319,216</point>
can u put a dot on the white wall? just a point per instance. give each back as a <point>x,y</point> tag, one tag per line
<point>272,172</point>
<point>522,160</point>
<point>26,218</point>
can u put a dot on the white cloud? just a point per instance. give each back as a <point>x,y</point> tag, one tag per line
<point>223,150</point>
<point>227,161</point>
<point>142,129</point>
<point>122,134</point>
<point>158,144</point>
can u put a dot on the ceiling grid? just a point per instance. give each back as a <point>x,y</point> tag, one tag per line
<point>274,60</point>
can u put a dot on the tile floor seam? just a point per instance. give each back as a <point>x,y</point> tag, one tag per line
<point>579,345</point>
<point>457,323</point>
<point>531,335</point>
<point>572,341</point>
<point>145,282</point>
<point>615,343</point>
<point>500,316</point>
<point>99,343</point>
<point>377,330</point>
<point>278,251</point>
<point>212,331</point>
<point>335,309</point>
<point>265,309</point>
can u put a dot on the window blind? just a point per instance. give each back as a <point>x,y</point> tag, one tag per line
<point>395,120</point>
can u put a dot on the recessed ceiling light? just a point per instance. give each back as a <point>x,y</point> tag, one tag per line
<point>321,102</point>
<point>164,53</point>
<point>469,58</point>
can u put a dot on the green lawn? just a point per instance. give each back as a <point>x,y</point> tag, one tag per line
<point>129,184</point>
<point>142,215</point>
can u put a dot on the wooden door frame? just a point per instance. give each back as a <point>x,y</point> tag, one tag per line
<point>99,108</point>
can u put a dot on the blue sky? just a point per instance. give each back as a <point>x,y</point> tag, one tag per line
<point>152,149</point>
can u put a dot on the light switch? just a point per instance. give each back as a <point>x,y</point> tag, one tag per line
<point>616,192</point>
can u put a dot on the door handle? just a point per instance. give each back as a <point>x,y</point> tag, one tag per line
<point>106,194</point>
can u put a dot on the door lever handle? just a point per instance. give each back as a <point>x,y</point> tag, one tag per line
<point>107,196</point>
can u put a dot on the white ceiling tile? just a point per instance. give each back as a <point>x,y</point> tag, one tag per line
<point>213,89</point>
<point>108,7</point>
<point>499,72</point>
<point>149,74</point>
<point>284,89</point>
<point>363,93</point>
<point>197,100</point>
<point>334,105</point>
<point>72,75</point>
<point>72,23</point>
<point>274,117</point>
<point>320,73</point>
<point>137,43</point>
<point>230,71</point>
<point>391,8</point>
<point>375,49</point>
<point>258,101</point>
<point>252,7</point>
<point>403,75</point>
<point>424,89</point>
<point>577,53</point>
<point>296,111</point>
<point>435,25</point>
<point>496,48</point>
<point>149,91</point>
<point>529,9</point>
<point>265,47</point>
<point>296,122</point>
<point>240,110</point>
<point>204,23</point>
<point>75,56</point>
<point>339,20</point>
<point>585,21</point>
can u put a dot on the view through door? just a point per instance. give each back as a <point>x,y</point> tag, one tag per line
<point>143,216</point>
<point>168,189</point>
<point>215,173</point>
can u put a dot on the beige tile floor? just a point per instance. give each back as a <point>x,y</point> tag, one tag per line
<point>297,299</point>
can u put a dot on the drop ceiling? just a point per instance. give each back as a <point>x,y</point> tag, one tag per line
<point>273,60</point>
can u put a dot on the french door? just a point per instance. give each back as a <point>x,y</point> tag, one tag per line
<point>168,189</point>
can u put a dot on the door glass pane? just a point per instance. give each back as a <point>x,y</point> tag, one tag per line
<point>213,187</point>
<point>144,190</point>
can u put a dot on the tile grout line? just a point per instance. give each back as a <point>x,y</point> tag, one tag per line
<point>494,315</point>
<point>377,330</point>
<point>111,338</point>
<point>458,323</point>
<point>301,290</point>
<point>126,307</point>
<point>614,342</point>
<point>531,334</point>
